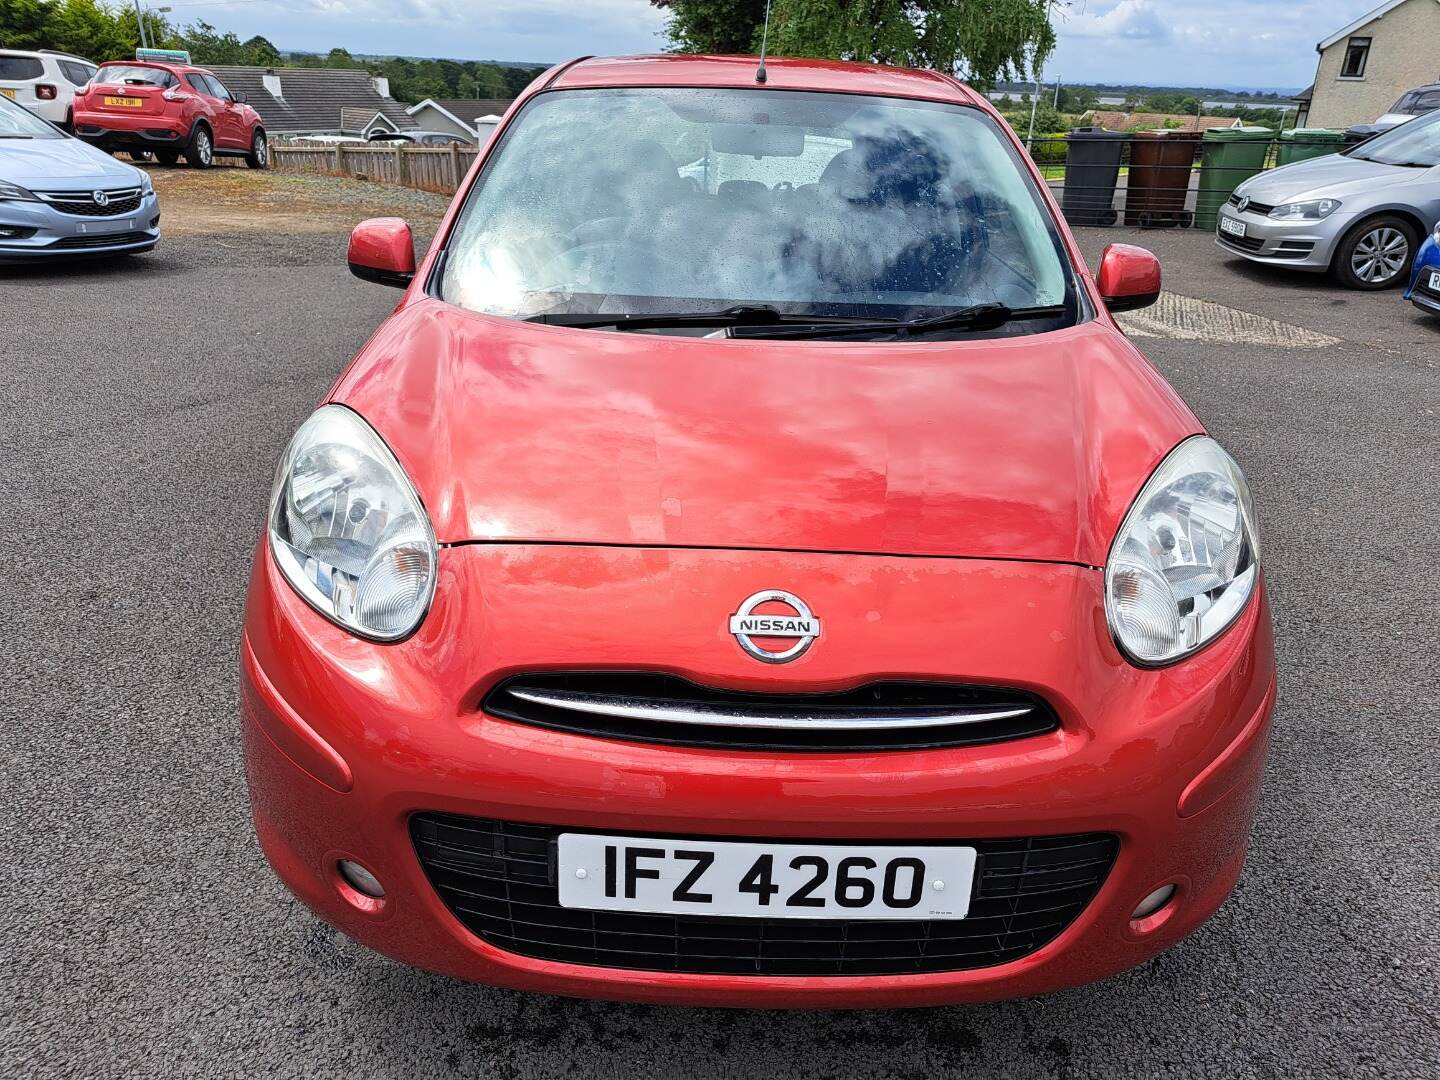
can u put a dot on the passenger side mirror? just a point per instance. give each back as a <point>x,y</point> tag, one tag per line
<point>382,251</point>
<point>241,98</point>
<point>1129,277</point>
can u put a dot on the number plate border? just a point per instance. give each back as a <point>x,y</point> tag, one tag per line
<point>586,894</point>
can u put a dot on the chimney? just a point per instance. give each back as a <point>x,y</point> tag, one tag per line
<point>272,83</point>
<point>382,85</point>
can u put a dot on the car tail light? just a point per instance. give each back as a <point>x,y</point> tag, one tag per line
<point>174,94</point>
<point>45,92</point>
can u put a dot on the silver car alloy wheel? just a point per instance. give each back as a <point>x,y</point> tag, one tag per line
<point>203,148</point>
<point>1380,255</point>
<point>262,150</point>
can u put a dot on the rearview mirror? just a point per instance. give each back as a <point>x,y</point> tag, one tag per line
<point>757,140</point>
<point>1129,277</point>
<point>382,251</point>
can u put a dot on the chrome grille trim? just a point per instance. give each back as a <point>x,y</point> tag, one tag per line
<point>631,708</point>
<point>85,196</point>
<point>657,707</point>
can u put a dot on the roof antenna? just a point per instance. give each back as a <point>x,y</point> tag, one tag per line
<point>764,40</point>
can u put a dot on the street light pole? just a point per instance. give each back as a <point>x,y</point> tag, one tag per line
<point>140,18</point>
<point>1034,104</point>
<point>158,11</point>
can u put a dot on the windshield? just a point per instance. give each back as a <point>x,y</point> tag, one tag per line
<point>664,200</point>
<point>134,73</point>
<point>17,122</point>
<point>1415,143</point>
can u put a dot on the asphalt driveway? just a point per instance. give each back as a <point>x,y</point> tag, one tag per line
<point>142,408</point>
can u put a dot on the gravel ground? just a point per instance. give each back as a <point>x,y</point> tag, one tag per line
<point>144,405</point>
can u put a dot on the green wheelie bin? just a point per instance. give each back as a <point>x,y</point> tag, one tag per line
<point>1299,144</point>
<point>1229,156</point>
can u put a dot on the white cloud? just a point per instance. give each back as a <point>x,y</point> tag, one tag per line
<point>1194,42</point>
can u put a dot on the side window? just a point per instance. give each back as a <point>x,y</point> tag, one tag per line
<point>217,88</point>
<point>1357,53</point>
<point>199,84</point>
<point>1424,103</point>
<point>75,73</point>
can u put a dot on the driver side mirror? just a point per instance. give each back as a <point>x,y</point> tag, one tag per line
<point>1129,277</point>
<point>382,251</point>
<point>241,98</point>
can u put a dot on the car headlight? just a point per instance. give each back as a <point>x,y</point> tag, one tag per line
<point>348,530</point>
<point>146,185</point>
<point>1186,558</point>
<point>1436,234</point>
<point>15,193</point>
<point>1314,210</point>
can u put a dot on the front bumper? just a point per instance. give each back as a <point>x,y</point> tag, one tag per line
<point>36,230</point>
<point>1427,266</point>
<point>1300,245</point>
<point>345,740</point>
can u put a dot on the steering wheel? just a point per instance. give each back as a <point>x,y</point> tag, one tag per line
<point>595,230</point>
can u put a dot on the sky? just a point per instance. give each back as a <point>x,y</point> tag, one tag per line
<point>1242,43</point>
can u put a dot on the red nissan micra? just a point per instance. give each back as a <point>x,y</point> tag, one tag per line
<point>750,567</point>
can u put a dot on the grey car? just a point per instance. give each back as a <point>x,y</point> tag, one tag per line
<point>1360,214</point>
<point>60,197</point>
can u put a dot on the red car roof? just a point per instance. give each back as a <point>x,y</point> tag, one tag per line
<point>783,73</point>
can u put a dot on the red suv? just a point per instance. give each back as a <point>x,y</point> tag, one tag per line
<point>168,110</point>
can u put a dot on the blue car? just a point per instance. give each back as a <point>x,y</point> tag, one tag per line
<point>1424,291</point>
<point>62,198</point>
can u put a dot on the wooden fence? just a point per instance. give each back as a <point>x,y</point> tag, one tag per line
<point>430,168</point>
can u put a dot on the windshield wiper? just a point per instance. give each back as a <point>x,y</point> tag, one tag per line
<point>975,317</point>
<point>741,315</point>
<point>5,136</point>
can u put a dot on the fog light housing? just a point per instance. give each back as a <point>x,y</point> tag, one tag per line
<point>1154,902</point>
<point>360,879</point>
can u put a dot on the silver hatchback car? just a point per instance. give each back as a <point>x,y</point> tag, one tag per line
<point>60,197</point>
<point>1361,214</point>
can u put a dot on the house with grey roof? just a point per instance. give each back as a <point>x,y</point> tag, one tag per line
<point>470,118</point>
<point>317,101</point>
<point>1366,66</point>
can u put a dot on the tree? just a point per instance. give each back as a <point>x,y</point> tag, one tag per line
<point>260,52</point>
<point>207,45</point>
<point>22,23</point>
<point>983,40</point>
<point>714,26</point>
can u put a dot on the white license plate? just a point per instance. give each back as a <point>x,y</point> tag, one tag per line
<point>1231,226</point>
<point>794,881</point>
<point>1434,285</point>
<point>108,225</point>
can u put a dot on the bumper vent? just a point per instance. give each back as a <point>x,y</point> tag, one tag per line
<point>1242,243</point>
<point>647,707</point>
<point>79,243</point>
<point>498,879</point>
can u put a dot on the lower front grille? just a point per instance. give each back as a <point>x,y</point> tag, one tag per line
<point>1243,243</point>
<point>100,241</point>
<point>888,715</point>
<point>498,879</point>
